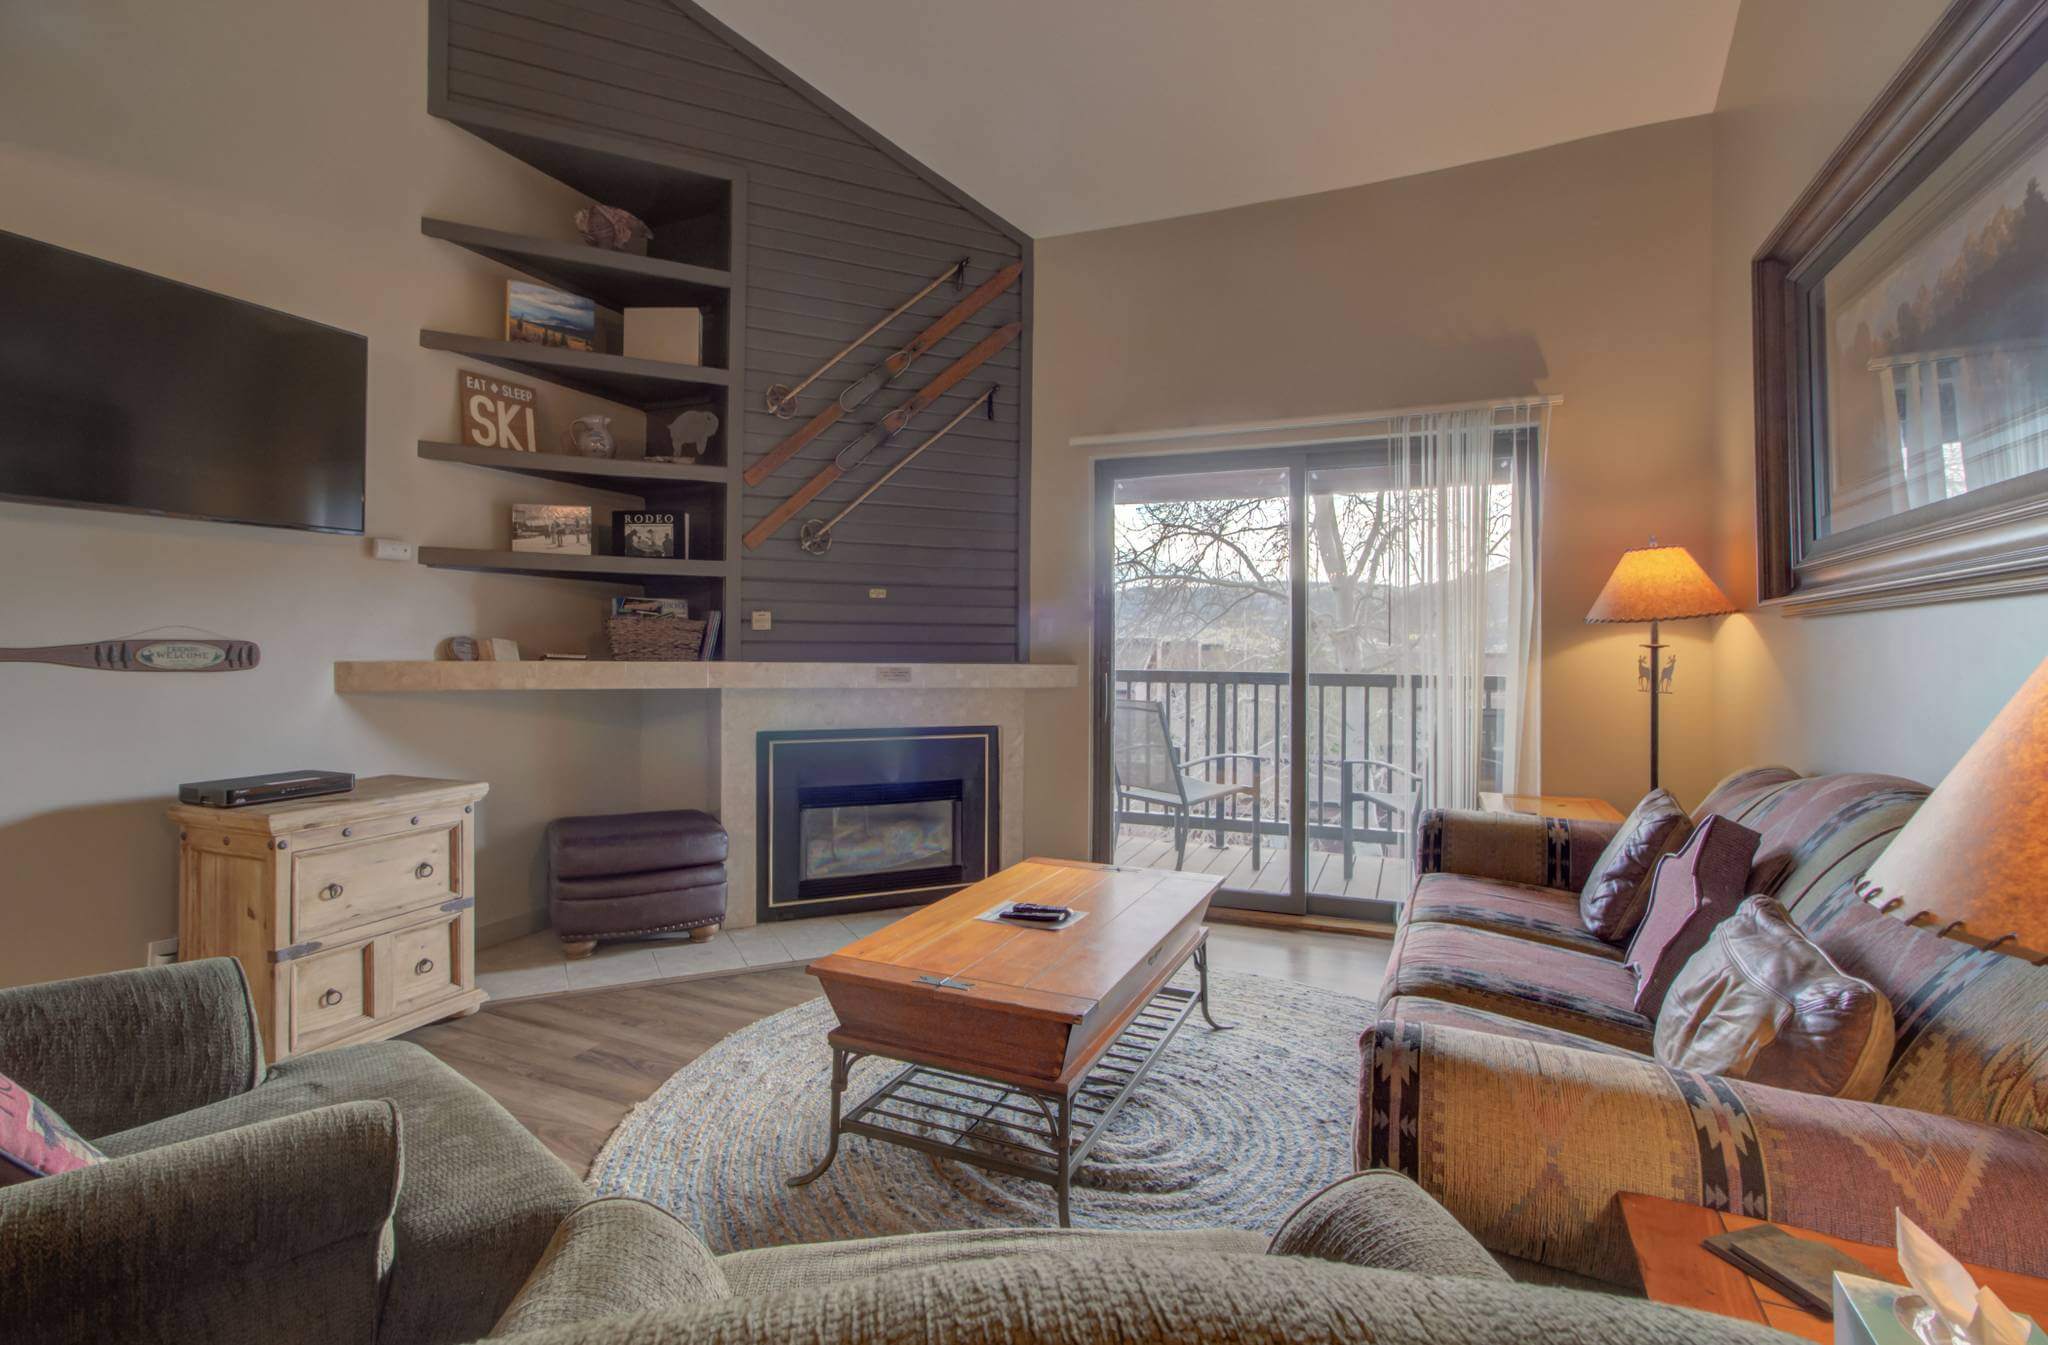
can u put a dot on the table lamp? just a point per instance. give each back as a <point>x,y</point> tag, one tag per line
<point>1972,864</point>
<point>1658,583</point>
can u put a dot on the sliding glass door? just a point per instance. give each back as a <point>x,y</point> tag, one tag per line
<point>1297,650</point>
<point>1198,696</point>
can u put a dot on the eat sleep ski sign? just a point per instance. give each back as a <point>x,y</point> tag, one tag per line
<point>496,413</point>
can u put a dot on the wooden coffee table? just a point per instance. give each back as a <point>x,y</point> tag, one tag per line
<point>1666,1235</point>
<point>1019,1044</point>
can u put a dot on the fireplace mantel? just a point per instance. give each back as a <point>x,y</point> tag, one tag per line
<point>442,675</point>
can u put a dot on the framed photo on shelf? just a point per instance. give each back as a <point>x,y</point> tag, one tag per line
<point>558,529</point>
<point>545,316</point>
<point>646,533</point>
<point>1901,324</point>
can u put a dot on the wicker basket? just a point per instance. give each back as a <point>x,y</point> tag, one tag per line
<point>655,639</point>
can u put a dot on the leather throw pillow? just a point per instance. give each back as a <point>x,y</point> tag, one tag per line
<point>1761,1002</point>
<point>1692,891</point>
<point>1612,901</point>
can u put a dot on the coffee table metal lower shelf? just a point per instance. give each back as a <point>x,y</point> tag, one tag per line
<point>1039,1135</point>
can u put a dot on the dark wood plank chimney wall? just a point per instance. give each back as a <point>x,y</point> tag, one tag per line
<point>839,227</point>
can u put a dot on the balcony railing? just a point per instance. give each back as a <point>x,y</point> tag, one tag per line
<point>1372,716</point>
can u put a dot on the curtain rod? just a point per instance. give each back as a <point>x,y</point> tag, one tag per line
<point>1307,429</point>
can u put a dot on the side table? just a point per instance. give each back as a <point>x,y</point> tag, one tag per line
<point>1666,1235</point>
<point>1573,807</point>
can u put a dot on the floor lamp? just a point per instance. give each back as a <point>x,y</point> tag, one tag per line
<point>1658,583</point>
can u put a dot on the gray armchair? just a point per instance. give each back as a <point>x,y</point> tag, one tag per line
<point>244,1204</point>
<point>1369,1258</point>
<point>1149,770</point>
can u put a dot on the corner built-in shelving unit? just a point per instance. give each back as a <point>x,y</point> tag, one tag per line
<point>694,208</point>
<point>614,279</point>
<point>621,475</point>
<point>646,384</point>
<point>550,565</point>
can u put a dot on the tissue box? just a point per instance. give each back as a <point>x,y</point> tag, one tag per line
<point>1866,1313</point>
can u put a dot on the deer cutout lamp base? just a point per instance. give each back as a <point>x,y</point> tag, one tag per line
<point>1654,674</point>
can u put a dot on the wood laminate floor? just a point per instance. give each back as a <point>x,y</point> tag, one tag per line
<point>570,1066</point>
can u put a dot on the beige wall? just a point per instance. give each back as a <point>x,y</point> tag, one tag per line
<point>1580,270</point>
<point>1903,691</point>
<point>282,155</point>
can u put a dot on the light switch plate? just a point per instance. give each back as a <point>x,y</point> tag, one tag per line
<point>390,548</point>
<point>763,619</point>
<point>160,952</point>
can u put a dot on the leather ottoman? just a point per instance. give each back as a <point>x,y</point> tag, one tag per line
<point>634,874</point>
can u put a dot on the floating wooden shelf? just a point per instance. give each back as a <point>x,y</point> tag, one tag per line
<point>614,279</point>
<point>619,378</point>
<point>428,675</point>
<point>620,476</point>
<point>548,565</point>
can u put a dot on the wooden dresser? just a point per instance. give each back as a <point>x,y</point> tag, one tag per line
<point>354,915</point>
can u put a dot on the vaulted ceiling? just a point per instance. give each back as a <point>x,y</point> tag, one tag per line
<point>1064,115</point>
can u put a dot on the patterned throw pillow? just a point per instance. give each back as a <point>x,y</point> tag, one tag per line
<point>1761,1002</point>
<point>1692,892</point>
<point>1612,901</point>
<point>34,1141</point>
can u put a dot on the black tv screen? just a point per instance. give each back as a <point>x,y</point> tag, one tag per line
<point>124,390</point>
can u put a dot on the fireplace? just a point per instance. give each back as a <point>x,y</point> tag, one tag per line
<point>860,819</point>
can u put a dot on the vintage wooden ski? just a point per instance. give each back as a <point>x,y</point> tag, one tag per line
<point>180,654</point>
<point>881,432</point>
<point>884,373</point>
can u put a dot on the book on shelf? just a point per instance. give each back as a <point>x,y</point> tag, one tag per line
<point>675,607</point>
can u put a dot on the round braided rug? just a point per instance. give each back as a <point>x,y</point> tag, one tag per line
<point>1230,1128</point>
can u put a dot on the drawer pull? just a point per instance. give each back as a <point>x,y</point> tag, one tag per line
<point>330,998</point>
<point>423,871</point>
<point>330,892</point>
<point>423,966</point>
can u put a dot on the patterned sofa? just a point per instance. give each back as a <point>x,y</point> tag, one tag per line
<point>1509,1075</point>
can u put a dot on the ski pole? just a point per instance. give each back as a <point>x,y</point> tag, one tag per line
<point>816,537</point>
<point>782,400</point>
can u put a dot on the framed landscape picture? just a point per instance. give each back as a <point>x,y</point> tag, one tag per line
<point>546,316</point>
<point>1902,338</point>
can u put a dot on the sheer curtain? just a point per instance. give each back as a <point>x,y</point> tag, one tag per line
<point>1464,601</point>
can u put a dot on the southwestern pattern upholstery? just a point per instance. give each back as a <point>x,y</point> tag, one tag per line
<point>1528,1144</point>
<point>1526,1119</point>
<point>1549,986</point>
<point>1539,914</point>
<point>1549,852</point>
<point>480,1198</point>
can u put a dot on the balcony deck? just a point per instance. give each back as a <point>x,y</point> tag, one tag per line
<point>1374,874</point>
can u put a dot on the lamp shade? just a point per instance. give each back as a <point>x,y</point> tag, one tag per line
<point>1973,861</point>
<point>1658,583</point>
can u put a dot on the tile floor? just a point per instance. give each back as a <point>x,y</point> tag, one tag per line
<point>534,965</point>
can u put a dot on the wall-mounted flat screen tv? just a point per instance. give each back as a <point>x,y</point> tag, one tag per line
<point>124,390</point>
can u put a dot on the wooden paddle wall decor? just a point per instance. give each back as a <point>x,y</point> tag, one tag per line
<point>834,230</point>
<point>180,655</point>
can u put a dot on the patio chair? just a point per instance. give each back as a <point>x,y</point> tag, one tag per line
<point>1372,782</point>
<point>1149,769</point>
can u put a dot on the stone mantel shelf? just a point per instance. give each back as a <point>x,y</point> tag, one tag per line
<point>438,675</point>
